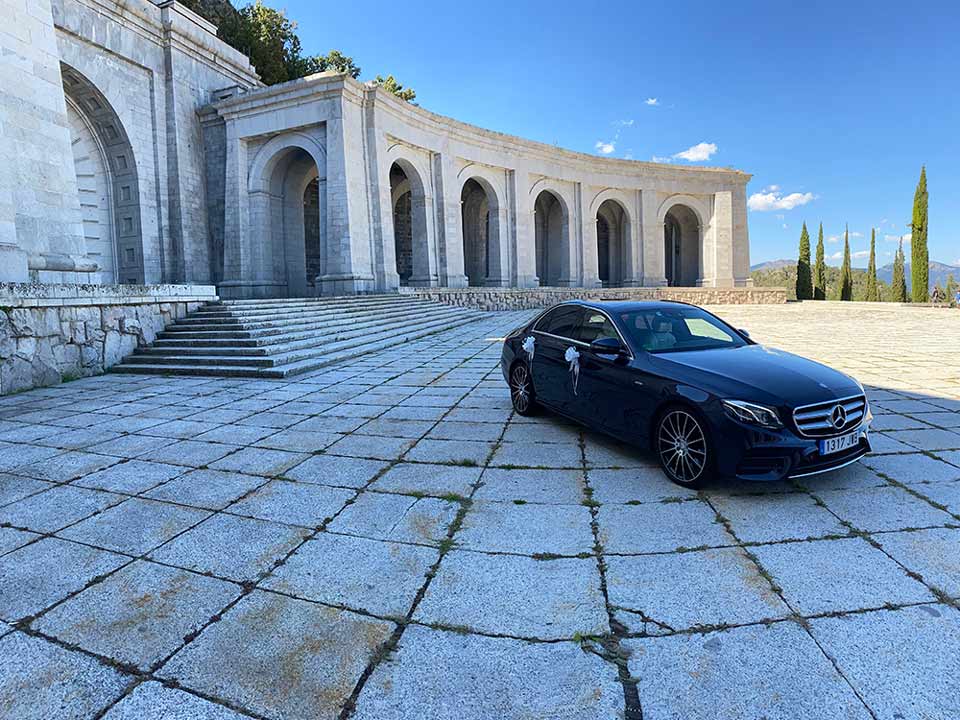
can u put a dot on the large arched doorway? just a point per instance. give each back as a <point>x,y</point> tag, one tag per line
<point>478,215</point>
<point>288,219</point>
<point>107,182</point>
<point>613,233</point>
<point>552,239</point>
<point>683,263</point>
<point>410,230</point>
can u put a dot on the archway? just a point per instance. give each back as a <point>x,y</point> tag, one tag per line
<point>613,235</point>
<point>287,216</point>
<point>681,247</point>
<point>107,182</point>
<point>478,208</point>
<point>552,239</point>
<point>410,234</point>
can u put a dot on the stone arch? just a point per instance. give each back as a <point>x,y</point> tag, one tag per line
<point>287,190</point>
<point>683,242</point>
<point>552,241</point>
<point>413,248</point>
<point>481,224</point>
<point>107,181</point>
<point>613,242</point>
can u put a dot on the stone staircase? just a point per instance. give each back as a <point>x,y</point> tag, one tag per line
<point>277,338</point>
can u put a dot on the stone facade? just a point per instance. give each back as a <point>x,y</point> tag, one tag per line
<point>542,297</point>
<point>50,333</point>
<point>137,147</point>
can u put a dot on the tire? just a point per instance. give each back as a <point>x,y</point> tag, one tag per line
<point>521,390</point>
<point>682,445</point>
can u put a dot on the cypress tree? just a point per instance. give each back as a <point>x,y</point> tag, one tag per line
<point>919,257</point>
<point>820,270</point>
<point>951,287</point>
<point>873,292</point>
<point>846,274</point>
<point>899,283</point>
<point>804,278</point>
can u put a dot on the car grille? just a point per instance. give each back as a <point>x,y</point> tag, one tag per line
<point>818,420</point>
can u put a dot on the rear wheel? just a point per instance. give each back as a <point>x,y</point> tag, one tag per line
<point>521,390</point>
<point>683,448</point>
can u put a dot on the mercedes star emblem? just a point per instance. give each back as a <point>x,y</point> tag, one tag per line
<point>838,417</point>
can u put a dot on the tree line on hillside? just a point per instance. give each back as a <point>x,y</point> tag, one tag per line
<point>269,38</point>
<point>821,282</point>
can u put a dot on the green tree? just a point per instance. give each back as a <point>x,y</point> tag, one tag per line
<point>390,84</point>
<point>951,287</point>
<point>899,289</point>
<point>804,277</point>
<point>919,257</point>
<point>846,273</point>
<point>333,61</point>
<point>873,292</point>
<point>820,270</point>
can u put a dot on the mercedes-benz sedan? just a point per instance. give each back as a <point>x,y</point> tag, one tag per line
<point>708,400</point>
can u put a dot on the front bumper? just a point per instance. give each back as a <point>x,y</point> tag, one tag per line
<point>759,455</point>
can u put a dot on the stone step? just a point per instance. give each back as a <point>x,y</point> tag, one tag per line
<point>218,310</point>
<point>294,340</point>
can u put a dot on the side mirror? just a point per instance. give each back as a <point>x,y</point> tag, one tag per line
<point>607,346</point>
<point>743,332</point>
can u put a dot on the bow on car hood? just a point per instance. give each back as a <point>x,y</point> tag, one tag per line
<point>760,374</point>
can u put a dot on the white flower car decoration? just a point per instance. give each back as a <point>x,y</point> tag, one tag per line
<point>528,345</point>
<point>573,357</point>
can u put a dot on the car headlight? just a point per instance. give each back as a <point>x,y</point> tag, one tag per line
<point>752,413</point>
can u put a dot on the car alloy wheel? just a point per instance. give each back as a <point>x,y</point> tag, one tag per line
<point>521,389</point>
<point>682,447</point>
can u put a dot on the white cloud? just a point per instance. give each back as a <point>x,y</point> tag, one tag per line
<point>897,238</point>
<point>652,102</point>
<point>833,239</point>
<point>770,188</point>
<point>856,234</point>
<point>660,159</point>
<point>697,153</point>
<point>859,254</point>
<point>606,148</point>
<point>623,123</point>
<point>774,200</point>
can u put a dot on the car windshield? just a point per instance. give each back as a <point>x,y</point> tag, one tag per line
<point>677,329</point>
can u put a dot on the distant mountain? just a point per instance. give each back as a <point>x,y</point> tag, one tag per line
<point>773,265</point>
<point>938,273</point>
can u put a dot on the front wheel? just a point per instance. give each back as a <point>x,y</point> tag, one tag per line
<point>521,390</point>
<point>683,448</point>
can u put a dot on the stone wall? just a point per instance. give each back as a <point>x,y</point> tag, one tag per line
<point>528,298</point>
<point>51,333</point>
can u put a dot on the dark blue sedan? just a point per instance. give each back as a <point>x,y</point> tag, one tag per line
<point>704,397</point>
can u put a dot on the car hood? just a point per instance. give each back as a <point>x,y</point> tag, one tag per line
<point>761,374</point>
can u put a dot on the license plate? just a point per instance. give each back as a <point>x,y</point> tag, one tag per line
<point>839,443</point>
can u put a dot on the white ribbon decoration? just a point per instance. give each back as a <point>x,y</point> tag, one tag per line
<point>573,357</point>
<point>528,345</point>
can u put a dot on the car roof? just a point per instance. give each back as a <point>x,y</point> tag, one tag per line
<point>624,305</point>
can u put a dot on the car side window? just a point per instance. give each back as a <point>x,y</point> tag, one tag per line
<point>562,322</point>
<point>596,326</point>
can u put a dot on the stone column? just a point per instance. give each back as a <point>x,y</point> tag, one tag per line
<point>740,239</point>
<point>652,237</point>
<point>237,267</point>
<point>526,241</point>
<point>424,240</point>
<point>633,245</point>
<point>590,254</point>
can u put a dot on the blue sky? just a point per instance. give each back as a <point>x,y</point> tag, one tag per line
<point>832,106</point>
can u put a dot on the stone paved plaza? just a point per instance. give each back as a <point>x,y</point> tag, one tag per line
<point>385,539</point>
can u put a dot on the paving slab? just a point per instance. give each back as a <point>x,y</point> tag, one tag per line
<point>659,527</point>
<point>293,440</point>
<point>207,489</point>
<point>553,487</point>
<point>295,503</point>
<point>259,461</point>
<point>133,477</point>
<point>153,701</point>
<point>454,452</point>
<point>280,657</point>
<point>129,446</point>
<point>66,466</point>
<point>233,547</point>
<point>449,676</point>
<point>662,593</point>
<point>934,554</point>
<point>880,509</point>
<point>451,430</point>
<point>492,594</point>
<point>338,471</point>
<point>634,485</point>
<point>526,529</point>
<point>838,575</point>
<point>56,508</point>
<point>601,451</point>
<point>946,494</point>
<point>897,660</point>
<point>17,487</point>
<point>42,573</point>
<point>538,455</point>
<point>17,455</point>
<point>403,518</point>
<point>760,671</point>
<point>780,516</point>
<point>928,438</point>
<point>362,574</point>
<point>191,453</point>
<point>438,480</point>
<point>135,527</point>
<point>139,614</point>
<point>913,468</point>
<point>11,539</point>
<point>41,681</point>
